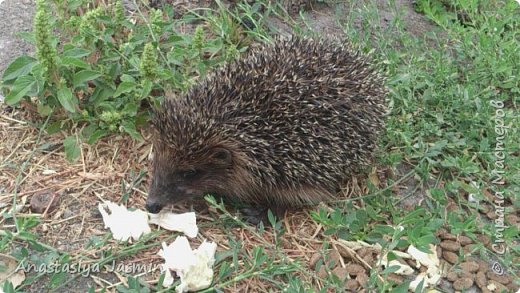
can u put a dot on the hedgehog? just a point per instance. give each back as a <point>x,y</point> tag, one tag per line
<point>282,126</point>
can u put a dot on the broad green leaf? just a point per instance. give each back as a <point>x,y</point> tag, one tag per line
<point>83,76</point>
<point>21,66</point>
<point>96,136</point>
<point>26,36</point>
<point>73,61</point>
<point>67,100</point>
<point>76,53</point>
<point>44,110</point>
<point>124,87</point>
<point>129,128</point>
<point>101,95</point>
<point>72,150</point>
<point>127,77</point>
<point>403,288</point>
<point>147,88</point>
<point>130,109</point>
<point>54,127</point>
<point>21,87</point>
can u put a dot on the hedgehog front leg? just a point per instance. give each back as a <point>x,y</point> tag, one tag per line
<point>254,215</point>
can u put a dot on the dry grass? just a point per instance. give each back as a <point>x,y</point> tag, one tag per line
<point>99,174</point>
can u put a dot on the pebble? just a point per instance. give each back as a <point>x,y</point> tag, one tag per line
<point>362,279</point>
<point>503,279</point>
<point>484,239</point>
<point>450,256</point>
<point>40,201</point>
<point>483,266</point>
<point>395,278</point>
<point>452,276</point>
<point>448,236</point>
<point>462,284</point>
<point>354,269</point>
<point>340,272</point>
<point>469,266</point>
<point>352,285</point>
<point>481,280</point>
<point>464,240</point>
<point>450,245</point>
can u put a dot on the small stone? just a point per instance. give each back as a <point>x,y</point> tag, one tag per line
<point>352,285</point>
<point>334,257</point>
<point>314,259</point>
<point>492,215</point>
<point>369,259</point>
<point>448,236</point>
<point>439,250</point>
<point>511,219</point>
<point>440,231</point>
<point>481,280</point>
<point>322,273</point>
<point>340,272</point>
<point>40,202</point>
<point>470,258</point>
<point>451,207</point>
<point>484,239</point>
<point>68,214</point>
<point>466,275</point>
<point>462,284</point>
<point>452,276</point>
<point>464,240</point>
<point>362,279</point>
<point>412,263</point>
<point>470,249</point>
<point>502,279</point>
<point>395,278</point>
<point>469,266</point>
<point>450,245</point>
<point>354,269</point>
<point>485,208</point>
<point>488,194</point>
<point>499,288</point>
<point>363,251</point>
<point>450,256</point>
<point>513,287</point>
<point>483,266</point>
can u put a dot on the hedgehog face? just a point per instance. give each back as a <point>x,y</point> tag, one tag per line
<point>177,178</point>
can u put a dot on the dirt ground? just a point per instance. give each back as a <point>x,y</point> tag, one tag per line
<point>112,167</point>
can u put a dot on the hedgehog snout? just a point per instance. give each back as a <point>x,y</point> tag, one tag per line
<point>153,207</point>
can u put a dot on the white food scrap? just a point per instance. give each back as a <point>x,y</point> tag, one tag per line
<point>9,271</point>
<point>124,224</point>
<point>194,267</point>
<point>185,223</point>
<point>403,268</point>
<point>430,260</point>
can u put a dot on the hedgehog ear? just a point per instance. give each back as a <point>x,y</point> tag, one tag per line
<point>222,155</point>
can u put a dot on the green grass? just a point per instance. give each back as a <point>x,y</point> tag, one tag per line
<point>443,125</point>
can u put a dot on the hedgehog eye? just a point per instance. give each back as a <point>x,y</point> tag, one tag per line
<point>222,155</point>
<point>189,174</point>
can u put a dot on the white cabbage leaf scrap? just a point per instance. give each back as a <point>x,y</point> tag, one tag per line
<point>431,276</point>
<point>185,223</point>
<point>403,269</point>
<point>431,261</point>
<point>124,224</point>
<point>194,267</point>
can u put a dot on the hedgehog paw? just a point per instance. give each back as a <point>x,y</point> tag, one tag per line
<point>257,215</point>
